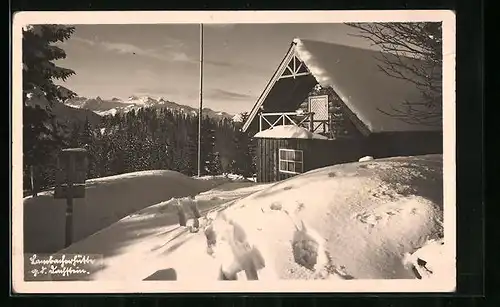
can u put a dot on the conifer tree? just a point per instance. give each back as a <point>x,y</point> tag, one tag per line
<point>190,152</point>
<point>210,165</point>
<point>87,136</point>
<point>243,163</point>
<point>40,93</point>
<point>75,135</point>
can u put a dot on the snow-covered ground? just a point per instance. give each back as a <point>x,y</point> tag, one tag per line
<point>134,246</point>
<point>379,219</point>
<point>368,217</point>
<point>107,200</point>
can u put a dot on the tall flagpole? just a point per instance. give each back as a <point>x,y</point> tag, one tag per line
<point>201,100</point>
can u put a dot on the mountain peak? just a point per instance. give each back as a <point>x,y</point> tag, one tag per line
<point>238,118</point>
<point>134,102</point>
<point>146,98</point>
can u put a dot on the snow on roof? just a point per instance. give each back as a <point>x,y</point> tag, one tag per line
<point>289,132</point>
<point>354,74</point>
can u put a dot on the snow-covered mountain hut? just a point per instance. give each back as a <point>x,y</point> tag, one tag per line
<point>340,96</point>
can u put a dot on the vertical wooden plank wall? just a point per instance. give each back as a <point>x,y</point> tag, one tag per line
<point>317,153</point>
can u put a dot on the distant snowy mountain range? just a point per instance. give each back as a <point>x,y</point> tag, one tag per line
<point>80,109</point>
<point>115,105</point>
<point>63,113</point>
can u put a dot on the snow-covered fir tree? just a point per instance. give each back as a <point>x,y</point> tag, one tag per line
<point>41,138</point>
<point>243,162</point>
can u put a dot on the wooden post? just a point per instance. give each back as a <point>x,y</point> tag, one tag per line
<point>34,191</point>
<point>260,121</point>
<point>200,111</point>
<point>70,184</point>
<point>330,125</point>
<point>311,121</point>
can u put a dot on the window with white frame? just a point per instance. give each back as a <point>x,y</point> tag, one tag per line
<point>291,161</point>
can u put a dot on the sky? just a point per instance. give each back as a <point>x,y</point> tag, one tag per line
<point>162,60</point>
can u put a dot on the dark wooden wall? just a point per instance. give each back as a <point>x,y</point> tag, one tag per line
<point>321,153</point>
<point>267,157</point>
<point>317,153</point>
<point>404,144</point>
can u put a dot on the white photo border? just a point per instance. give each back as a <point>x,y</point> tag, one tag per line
<point>447,18</point>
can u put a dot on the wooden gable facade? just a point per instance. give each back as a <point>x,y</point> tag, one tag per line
<point>287,101</point>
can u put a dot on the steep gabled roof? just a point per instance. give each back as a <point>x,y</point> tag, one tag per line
<point>355,76</point>
<point>277,73</point>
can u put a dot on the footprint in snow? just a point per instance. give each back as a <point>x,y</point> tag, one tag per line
<point>307,246</point>
<point>275,206</point>
<point>370,219</point>
<point>300,206</point>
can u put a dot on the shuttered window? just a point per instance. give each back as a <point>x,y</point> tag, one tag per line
<point>291,161</point>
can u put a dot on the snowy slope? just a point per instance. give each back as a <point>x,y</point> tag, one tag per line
<point>369,216</point>
<point>146,234</point>
<point>107,200</point>
<point>371,220</point>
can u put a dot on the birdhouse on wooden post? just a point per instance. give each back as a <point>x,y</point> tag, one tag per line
<point>71,174</point>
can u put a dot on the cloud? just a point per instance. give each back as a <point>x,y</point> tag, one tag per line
<point>146,75</point>
<point>127,48</point>
<point>83,40</point>
<point>181,57</point>
<point>217,63</point>
<point>159,90</point>
<point>124,48</point>
<point>170,55</point>
<point>227,95</point>
<point>171,42</point>
<point>169,52</point>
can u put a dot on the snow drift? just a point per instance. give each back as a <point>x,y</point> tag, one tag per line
<point>368,217</point>
<point>289,131</point>
<point>430,262</point>
<point>134,246</point>
<point>107,200</point>
<point>361,220</point>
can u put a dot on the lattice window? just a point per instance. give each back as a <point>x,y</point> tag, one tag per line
<point>319,105</point>
<point>340,125</point>
<point>291,161</point>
